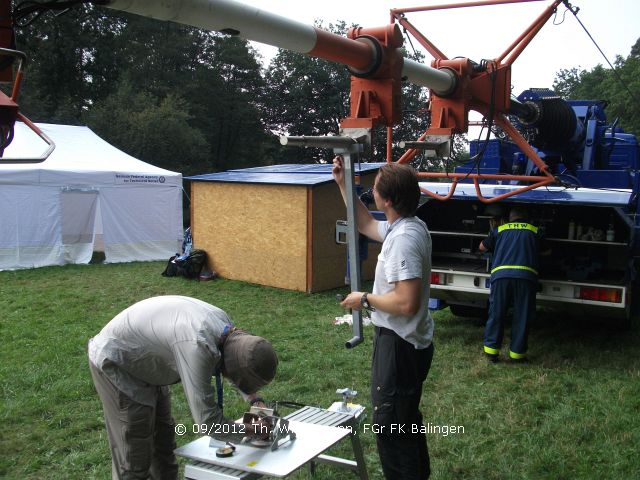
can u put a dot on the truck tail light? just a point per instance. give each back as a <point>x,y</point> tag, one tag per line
<point>437,278</point>
<point>613,295</point>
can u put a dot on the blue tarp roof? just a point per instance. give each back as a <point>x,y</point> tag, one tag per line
<point>287,174</point>
<point>316,174</point>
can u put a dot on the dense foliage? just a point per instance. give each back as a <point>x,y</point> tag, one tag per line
<point>175,96</point>
<point>619,87</point>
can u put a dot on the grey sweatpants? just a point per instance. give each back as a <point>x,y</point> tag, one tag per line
<point>142,438</point>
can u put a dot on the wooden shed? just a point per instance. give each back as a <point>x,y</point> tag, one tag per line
<point>276,225</point>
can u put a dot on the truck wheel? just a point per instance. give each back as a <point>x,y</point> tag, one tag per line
<point>467,311</point>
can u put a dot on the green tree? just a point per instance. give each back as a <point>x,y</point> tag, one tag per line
<point>305,96</point>
<point>161,57</point>
<point>620,88</point>
<point>218,79</point>
<point>225,100</point>
<point>69,58</point>
<point>151,128</point>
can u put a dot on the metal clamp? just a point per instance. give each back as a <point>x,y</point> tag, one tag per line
<point>279,431</point>
<point>347,396</point>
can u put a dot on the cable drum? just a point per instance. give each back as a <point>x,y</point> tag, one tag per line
<point>557,124</point>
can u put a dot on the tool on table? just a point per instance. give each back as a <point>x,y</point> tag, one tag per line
<point>279,431</point>
<point>226,451</point>
<point>347,405</point>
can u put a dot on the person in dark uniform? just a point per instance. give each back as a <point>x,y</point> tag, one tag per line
<point>514,282</point>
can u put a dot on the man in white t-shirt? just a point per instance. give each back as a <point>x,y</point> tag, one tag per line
<point>403,347</point>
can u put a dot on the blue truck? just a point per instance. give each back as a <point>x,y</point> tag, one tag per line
<point>590,221</point>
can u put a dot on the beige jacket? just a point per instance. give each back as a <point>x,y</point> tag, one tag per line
<point>160,341</point>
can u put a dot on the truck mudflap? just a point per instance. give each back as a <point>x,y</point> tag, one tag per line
<point>580,298</point>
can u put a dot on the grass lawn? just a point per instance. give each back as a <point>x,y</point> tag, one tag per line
<point>573,412</point>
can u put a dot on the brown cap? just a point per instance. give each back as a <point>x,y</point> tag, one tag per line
<point>249,361</point>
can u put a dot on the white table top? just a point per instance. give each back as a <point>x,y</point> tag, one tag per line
<point>311,440</point>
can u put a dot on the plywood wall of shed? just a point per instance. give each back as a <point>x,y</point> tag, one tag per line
<point>255,233</point>
<point>329,260</point>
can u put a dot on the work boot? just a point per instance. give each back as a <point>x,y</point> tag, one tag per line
<point>492,358</point>
<point>517,358</point>
<point>491,354</point>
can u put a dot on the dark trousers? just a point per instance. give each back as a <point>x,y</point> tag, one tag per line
<point>397,374</point>
<point>141,438</point>
<point>505,292</point>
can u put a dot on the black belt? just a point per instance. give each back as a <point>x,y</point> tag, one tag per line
<point>386,331</point>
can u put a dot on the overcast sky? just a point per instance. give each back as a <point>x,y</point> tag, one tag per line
<point>485,32</point>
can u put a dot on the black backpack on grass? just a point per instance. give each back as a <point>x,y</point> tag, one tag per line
<point>189,267</point>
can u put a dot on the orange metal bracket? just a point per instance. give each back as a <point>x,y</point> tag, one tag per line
<point>45,154</point>
<point>8,105</point>
<point>487,92</point>
<point>375,100</point>
<point>540,182</point>
<point>9,113</point>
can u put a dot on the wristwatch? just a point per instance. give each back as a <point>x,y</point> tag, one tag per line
<point>364,301</point>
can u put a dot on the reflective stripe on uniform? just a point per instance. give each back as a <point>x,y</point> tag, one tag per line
<point>515,267</point>
<point>491,351</point>
<point>517,226</point>
<point>516,356</point>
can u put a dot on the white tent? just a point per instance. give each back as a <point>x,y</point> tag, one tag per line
<point>56,212</point>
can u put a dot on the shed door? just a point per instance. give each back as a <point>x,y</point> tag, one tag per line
<point>78,219</point>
